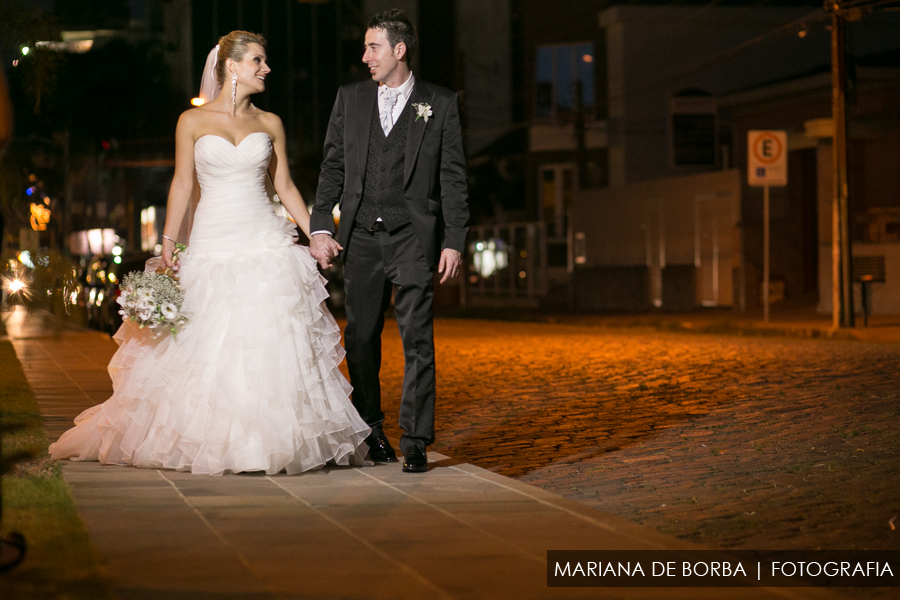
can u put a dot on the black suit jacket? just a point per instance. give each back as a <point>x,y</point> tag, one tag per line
<point>435,183</point>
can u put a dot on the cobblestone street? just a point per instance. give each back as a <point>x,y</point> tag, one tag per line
<point>728,441</point>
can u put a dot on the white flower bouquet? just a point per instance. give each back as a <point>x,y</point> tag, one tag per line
<point>152,299</point>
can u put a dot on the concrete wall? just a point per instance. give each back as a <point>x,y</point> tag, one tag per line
<point>677,223</point>
<point>884,297</point>
<point>613,289</point>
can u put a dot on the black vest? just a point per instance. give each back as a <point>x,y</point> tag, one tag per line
<point>383,191</point>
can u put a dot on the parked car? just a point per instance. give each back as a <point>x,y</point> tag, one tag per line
<point>100,280</point>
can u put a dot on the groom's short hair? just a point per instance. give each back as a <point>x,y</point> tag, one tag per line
<point>397,28</point>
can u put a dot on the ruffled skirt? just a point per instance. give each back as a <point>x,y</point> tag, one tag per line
<point>250,383</point>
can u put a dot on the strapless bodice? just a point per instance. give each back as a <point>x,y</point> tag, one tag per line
<point>234,213</point>
<point>222,165</point>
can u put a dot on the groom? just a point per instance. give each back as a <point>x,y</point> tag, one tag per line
<point>394,163</point>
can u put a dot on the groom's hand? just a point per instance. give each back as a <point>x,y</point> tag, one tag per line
<point>451,260</point>
<point>324,249</point>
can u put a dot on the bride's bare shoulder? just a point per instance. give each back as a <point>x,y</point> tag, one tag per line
<point>192,118</point>
<point>271,122</point>
<point>268,117</point>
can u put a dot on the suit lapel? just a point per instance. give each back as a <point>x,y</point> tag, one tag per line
<point>416,131</point>
<point>365,106</point>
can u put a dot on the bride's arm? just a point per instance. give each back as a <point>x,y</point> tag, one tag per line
<point>182,184</point>
<point>281,176</point>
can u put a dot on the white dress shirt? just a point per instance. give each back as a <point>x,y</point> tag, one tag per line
<point>405,89</point>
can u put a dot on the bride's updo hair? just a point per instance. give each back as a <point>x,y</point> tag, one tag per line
<point>234,46</point>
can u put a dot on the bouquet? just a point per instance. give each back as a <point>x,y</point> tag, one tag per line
<point>153,299</point>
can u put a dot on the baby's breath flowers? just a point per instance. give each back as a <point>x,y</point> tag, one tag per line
<point>152,300</point>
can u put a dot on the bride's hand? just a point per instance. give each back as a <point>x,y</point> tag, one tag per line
<point>168,252</point>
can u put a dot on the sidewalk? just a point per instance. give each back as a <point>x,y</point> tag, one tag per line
<point>458,531</point>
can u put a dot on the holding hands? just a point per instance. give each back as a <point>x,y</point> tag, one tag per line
<point>324,249</point>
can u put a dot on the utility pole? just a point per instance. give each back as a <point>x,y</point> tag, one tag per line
<point>842,285</point>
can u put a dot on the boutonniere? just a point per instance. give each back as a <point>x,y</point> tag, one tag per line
<point>423,109</point>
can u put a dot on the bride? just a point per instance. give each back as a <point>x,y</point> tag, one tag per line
<point>251,382</point>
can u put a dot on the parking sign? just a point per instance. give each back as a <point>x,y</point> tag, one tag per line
<point>767,158</point>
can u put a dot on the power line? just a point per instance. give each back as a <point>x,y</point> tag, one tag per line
<point>867,3</point>
<point>727,55</point>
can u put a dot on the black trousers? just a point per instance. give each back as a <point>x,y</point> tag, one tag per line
<point>377,263</point>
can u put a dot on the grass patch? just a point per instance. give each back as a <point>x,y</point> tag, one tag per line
<point>60,561</point>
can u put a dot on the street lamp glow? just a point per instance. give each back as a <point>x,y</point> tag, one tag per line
<point>14,285</point>
<point>25,50</point>
<point>198,101</point>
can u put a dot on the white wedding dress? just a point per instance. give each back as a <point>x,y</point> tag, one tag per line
<point>251,382</point>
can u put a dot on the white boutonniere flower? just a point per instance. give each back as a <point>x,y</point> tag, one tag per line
<point>423,109</point>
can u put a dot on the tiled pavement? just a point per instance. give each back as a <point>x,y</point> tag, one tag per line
<point>458,531</point>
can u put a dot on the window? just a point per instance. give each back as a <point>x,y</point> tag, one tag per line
<point>693,127</point>
<point>561,72</point>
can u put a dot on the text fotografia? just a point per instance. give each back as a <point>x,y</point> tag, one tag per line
<point>711,568</point>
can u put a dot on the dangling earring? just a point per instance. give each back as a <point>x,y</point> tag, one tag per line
<point>234,88</point>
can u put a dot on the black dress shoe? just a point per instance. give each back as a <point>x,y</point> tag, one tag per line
<point>415,461</point>
<point>380,451</point>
